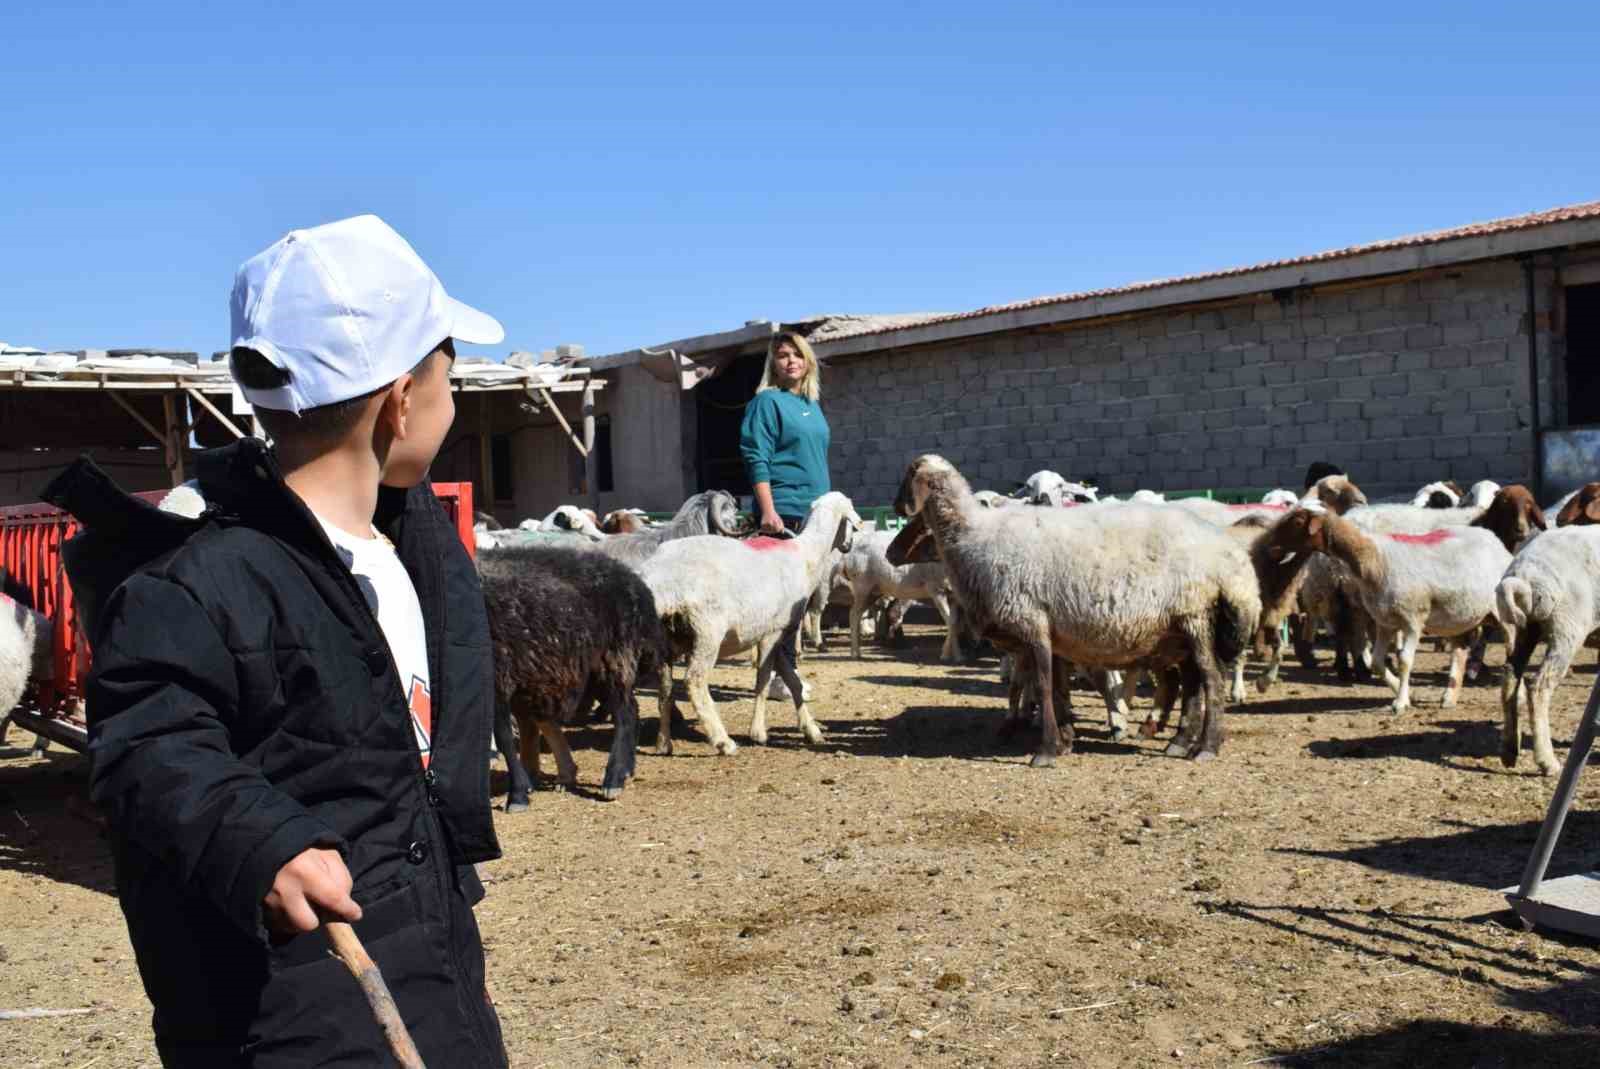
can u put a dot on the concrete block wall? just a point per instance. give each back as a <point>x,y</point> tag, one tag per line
<point>1400,383</point>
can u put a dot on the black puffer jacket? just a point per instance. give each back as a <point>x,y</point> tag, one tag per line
<point>243,707</point>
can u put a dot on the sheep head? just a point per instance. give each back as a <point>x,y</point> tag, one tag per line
<point>912,544</point>
<point>925,473</point>
<point>1303,530</point>
<point>1442,495</point>
<point>1513,516</point>
<point>621,521</point>
<point>848,524</point>
<point>1337,492</point>
<point>1583,509</point>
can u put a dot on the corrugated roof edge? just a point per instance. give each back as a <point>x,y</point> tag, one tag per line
<point>1568,214</point>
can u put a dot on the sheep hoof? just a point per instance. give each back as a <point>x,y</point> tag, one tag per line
<point>1548,768</point>
<point>610,794</point>
<point>1202,756</point>
<point>1509,754</point>
<point>727,747</point>
<point>1449,702</point>
<point>1177,748</point>
<point>1118,732</point>
<point>516,807</point>
<point>663,749</point>
<point>1148,729</point>
<point>758,740</point>
<point>1236,695</point>
<point>1043,760</point>
<point>1264,684</point>
<point>1397,706</point>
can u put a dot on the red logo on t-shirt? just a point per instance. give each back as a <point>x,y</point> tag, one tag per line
<point>421,702</point>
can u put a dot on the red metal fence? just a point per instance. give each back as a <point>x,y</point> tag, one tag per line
<point>31,537</point>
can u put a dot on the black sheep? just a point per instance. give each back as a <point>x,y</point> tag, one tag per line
<point>568,628</point>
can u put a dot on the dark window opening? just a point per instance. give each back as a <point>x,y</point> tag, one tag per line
<point>500,458</point>
<point>719,404</point>
<point>1583,355</point>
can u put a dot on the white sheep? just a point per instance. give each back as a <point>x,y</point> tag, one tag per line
<point>1131,586</point>
<point>25,652</point>
<point>1411,585</point>
<point>868,572</point>
<point>1550,593</point>
<point>1286,498</point>
<point>1051,488</point>
<point>719,596</point>
<point>572,519</point>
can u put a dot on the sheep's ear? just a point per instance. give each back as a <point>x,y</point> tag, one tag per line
<point>1591,511</point>
<point>1536,517</point>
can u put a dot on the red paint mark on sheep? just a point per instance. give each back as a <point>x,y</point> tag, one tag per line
<point>1432,538</point>
<point>762,543</point>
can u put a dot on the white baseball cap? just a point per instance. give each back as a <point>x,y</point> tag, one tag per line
<point>345,308</point>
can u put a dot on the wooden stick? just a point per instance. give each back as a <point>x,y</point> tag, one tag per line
<point>29,1014</point>
<point>348,949</point>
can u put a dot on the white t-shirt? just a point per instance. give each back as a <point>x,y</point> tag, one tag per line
<point>393,600</point>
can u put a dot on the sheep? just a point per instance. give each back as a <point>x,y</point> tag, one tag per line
<point>1580,507</point>
<point>571,518</point>
<point>568,628</point>
<point>711,512</point>
<point>1122,587</point>
<point>1442,495</point>
<point>25,650</point>
<point>1550,593</point>
<point>993,499</point>
<point>719,596</point>
<point>623,521</point>
<point>1050,488</point>
<point>869,574</point>
<point>1439,583</point>
<point>1287,498</point>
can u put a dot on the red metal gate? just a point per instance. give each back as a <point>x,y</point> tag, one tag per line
<point>31,537</point>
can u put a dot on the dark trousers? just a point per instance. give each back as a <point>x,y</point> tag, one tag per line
<point>789,644</point>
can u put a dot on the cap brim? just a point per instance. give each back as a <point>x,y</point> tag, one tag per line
<point>472,326</point>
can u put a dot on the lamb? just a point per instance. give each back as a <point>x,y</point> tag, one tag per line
<point>1124,587</point>
<point>870,574</point>
<point>718,596</point>
<point>993,499</point>
<point>568,628</point>
<point>1441,495</point>
<point>623,521</point>
<point>1050,488</point>
<point>1286,498</point>
<point>25,650</point>
<point>711,512</point>
<point>571,518</point>
<point>1550,594</point>
<point>1439,583</point>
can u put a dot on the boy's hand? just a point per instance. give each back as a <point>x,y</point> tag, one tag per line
<point>314,886</point>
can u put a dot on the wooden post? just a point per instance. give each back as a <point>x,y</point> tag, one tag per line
<point>591,467</point>
<point>485,453</point>
<point>175,427</point>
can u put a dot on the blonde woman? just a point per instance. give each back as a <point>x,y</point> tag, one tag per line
<point>784,441</point>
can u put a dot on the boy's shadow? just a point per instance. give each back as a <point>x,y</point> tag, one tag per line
<point>47,826</point>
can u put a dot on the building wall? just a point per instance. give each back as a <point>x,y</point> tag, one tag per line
<point>23,473</point>
<point>1400,383</point>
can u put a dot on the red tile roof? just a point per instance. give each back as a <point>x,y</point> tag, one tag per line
<point>1570,213</point>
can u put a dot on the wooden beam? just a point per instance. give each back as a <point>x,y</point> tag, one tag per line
<point>702,343</point>
<point>591,464</point>
<point>215,411</point>
<point>538,393</point>
<point>485,454</point>
<point>174,436</point>
<point>158,435</point>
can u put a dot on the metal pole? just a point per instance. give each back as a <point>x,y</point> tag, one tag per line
<point>1566,790</point>
<point>485,454</point>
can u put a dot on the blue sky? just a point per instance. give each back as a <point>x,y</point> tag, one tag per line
<point>621,174</point>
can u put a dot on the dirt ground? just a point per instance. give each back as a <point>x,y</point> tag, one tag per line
<point>913,893</point>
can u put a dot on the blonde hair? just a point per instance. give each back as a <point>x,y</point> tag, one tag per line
<point>810,385</point>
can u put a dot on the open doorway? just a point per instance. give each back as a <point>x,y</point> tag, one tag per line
<point>1583,355</point>
<point>719,413</point>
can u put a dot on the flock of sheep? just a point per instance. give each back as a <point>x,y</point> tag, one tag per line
<point>1058,580</point>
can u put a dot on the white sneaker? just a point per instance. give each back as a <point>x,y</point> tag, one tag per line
<point>779,691</point>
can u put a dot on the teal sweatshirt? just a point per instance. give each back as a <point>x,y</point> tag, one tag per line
<point>784,441</point>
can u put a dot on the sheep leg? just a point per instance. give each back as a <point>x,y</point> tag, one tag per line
<point>1558,656</point>
<point>1110,685</point>
<point>1458,670</point>
<point>1236,690</point>
<point>1192,719</point>
<point>858,605</point>
<point>1269,676</point>
<point>1519,648</point>
<point>505,740</point>
<point>1380,657</point>
<point>1051,739</point>
<point>952,638</point>
<point>666,710</point>
<point>620,762</point>
<point>1016,680</point>
<point>765,666</point>
<point>802,711</point>
<point>1303,633</point>
<point>1168,687</point>
<point>700,664</point>
<point>1407,655</point>
<point>566,767</point>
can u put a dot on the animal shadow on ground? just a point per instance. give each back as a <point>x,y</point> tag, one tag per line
<point>1487,950</point>
<point>48,828</point>
<point>1256,706</point>
<point>1437,1042</point>
<point>1442,742</point>
<point>1487,856</point>
<point>960,731</point>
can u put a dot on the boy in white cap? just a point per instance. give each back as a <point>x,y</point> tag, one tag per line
<point>291,692</point>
